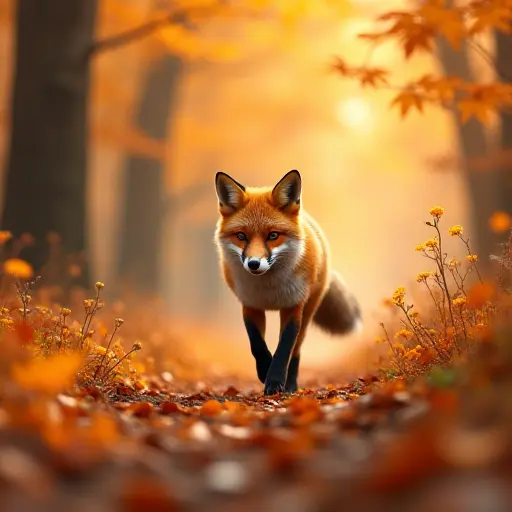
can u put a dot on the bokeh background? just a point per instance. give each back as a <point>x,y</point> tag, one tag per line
<point>253,97</point>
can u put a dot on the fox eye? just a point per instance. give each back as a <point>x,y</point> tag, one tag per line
<point>241,236</point>
<point>273,235</point>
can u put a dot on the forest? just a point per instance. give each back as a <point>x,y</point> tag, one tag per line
<point>135,372</point>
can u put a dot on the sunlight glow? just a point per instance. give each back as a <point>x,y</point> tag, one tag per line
<point>355,113</point>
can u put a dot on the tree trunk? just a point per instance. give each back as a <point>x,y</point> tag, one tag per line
<point>504,66</point>
<point>145,200</point>
<point>482,186</point>
<point>46,168</point>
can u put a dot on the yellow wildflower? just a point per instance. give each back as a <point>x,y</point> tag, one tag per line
<point>433,242</point>
<point>472,258</point>
<point>459,301</point>
<point>6,322</point>
<point>399,347</point>
<point>398,296</point>
<point>65,311</point>
<point>455,230</point>
<point>88,303</point>
<point>99,285</point>
<point>414,353</point>
<point>453,263</point>
<point>422,276</point>
<point>420,248</point>
<point>436,212</point>
<point>403,333</point>
<point>100,350</point>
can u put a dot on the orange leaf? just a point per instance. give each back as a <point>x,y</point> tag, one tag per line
<point>500,222</point>
<point>480,294</point>
<point>142,409</point>
<point>373,76</point>
<point>50,375</point>
<point>448,21</point>
<point>408,99</point>
<point>24,332</point>
<point>474,108</point>
<point>5,236</point>
<point>341,67</point>
<point>18,268</point>
<point>490,15</point>
<point>211,408</point>
<point>231,391</point>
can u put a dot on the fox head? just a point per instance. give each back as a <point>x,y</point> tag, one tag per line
<point>259,228</point>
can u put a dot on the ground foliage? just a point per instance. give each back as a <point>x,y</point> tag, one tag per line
<point>87,419</point>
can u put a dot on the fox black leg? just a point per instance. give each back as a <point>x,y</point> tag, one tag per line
<point>291,385</point>
<point>255,322</point>
<point>310,307</point>
<point>278,371</point>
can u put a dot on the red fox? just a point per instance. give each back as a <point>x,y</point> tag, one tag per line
<point>274,256</point>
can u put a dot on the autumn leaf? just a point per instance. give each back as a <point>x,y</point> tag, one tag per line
<point>341,67</point>
<point>18,268</point>
<point>441,88</point>
<point>474,108</point>
<point>4,237</point>
<point>407,100</point>
<point>500,222</point>
<point>449,22</point>
<point>50,375</point>
<point>490,15</point>
<point>373,76</point>
<point>211,408</point>
<point>411,30</point>
<point>479,294</point>
<point>24,332</point>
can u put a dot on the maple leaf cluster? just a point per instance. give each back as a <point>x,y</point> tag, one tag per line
<point>416,31</point>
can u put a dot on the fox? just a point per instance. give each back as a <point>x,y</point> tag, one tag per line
<point>275,257</point>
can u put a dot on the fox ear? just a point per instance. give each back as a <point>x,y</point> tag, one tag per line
<point>286,193</point>
<point>231,194</point>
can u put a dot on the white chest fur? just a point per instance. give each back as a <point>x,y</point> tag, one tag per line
<point>277,289</point>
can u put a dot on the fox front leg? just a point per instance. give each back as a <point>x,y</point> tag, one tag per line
<point>291,320</point>
<point>255,322</point>
<point>311,306</point>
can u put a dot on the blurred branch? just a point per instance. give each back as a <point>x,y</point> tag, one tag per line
<point>177,16</point>
<point>131,35</point>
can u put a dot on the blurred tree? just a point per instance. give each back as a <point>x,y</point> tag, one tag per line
<point>457,28</point>
<point>504,68</point>
<point>489,190</point>
<point>145,204</point>
<point>46,167</point>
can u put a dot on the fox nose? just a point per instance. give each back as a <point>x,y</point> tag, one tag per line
<point>253,264</point>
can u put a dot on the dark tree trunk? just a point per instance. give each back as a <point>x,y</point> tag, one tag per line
<point>483,186</point>
<point>46,168</point>
<point>145,200</point>
<point>504,66</point>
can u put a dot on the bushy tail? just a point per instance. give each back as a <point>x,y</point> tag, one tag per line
<point>339,311</point>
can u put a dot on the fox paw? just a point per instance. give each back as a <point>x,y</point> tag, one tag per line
<point>273,387</point>
<point>291,387</point>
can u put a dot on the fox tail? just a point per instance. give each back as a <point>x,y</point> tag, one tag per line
<point>339,311</point>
